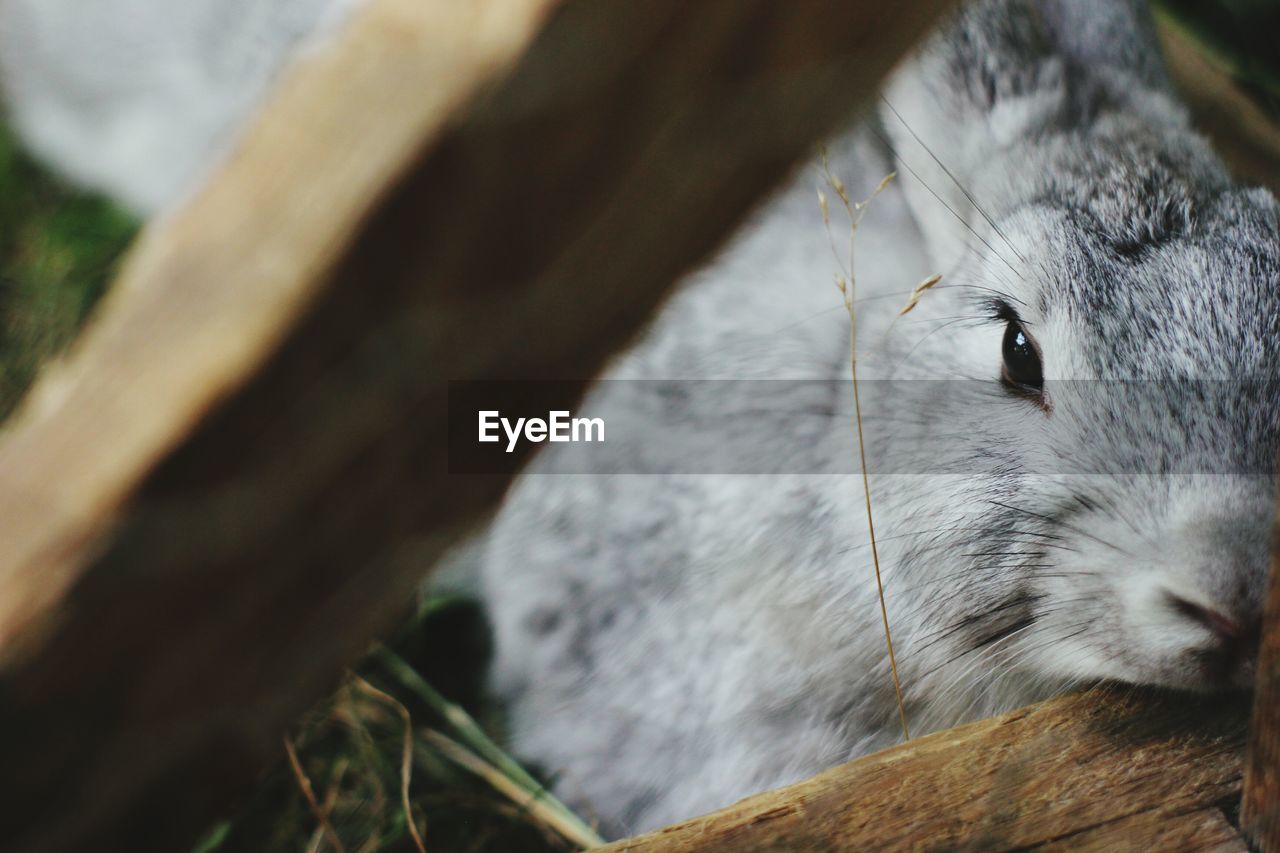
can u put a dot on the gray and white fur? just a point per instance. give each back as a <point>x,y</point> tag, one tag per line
<point>141,98</point>
<point>668,641</point>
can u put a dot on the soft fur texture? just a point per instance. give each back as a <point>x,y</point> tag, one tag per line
<point>669,640</point>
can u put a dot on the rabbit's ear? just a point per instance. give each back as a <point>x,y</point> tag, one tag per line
<point>967,114</point>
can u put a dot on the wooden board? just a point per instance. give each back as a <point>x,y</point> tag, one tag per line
<point>1260,809</point>
<point>1243,134</point>
<point>1119,769</point>
<point>240,476</point>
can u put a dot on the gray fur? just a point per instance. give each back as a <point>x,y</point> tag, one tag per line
<point>139,98</point>
<point>669,642</point>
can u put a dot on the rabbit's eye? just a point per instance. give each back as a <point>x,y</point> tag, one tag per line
<point>1021,360</point>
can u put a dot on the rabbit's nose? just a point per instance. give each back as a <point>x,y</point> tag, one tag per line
<point>1236,638</point>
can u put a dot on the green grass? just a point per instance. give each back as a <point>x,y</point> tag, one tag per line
<point>58,250</point>
<point>351,751</point>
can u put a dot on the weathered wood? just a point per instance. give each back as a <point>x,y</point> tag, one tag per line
<point>240,476</point>
<point>1108,769</point>
<point>1246,137</point>
<point>207,295</point>
<point>1157,830</point>
<point>1260,809</point>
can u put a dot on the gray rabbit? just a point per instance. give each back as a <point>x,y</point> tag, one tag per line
<point>1074,432</point>
<point>1070,436</point>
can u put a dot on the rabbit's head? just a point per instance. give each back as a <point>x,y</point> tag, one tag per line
<point>1102,436</point>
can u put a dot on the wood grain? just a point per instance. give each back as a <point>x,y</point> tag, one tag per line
<point>240,476</point>
<point>1206,830</point>
<point>1109,770</point>
<point>1260,809</point>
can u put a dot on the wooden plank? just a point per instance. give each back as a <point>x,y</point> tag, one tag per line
<point>1260,809</point>
<point>206,295</point>
<point>1241,131</point>
<point>240,476</point>
<point>1092,767</point>
<point>1205,830</point>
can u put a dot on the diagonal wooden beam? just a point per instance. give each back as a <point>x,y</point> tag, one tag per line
<point>1260,810</point>
<point>1242,132</point>
<point>1117,769</point>
<point>240,475</point>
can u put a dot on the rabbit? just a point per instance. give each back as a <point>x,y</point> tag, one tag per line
<point>139,99</point>
<point>1070,440</point>
<point>693,615</point>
